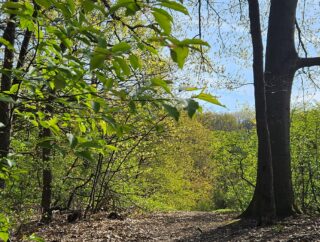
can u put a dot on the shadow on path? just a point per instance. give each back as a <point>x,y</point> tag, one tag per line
<point>301,228</point>
<point>234,231</point>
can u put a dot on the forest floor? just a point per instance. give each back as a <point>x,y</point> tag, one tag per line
<point>178,226</point>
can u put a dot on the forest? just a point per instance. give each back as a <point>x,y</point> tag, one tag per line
<point>119,120</point>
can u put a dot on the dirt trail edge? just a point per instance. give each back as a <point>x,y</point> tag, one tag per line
<point>180,226</point>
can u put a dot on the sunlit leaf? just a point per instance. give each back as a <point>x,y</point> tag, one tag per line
<point>175,6</point>
<point>163,20</point>
<point>121,47</point>
<point>208,98</point>
<point>179,55</point>
<point>135,62</point>
<point>194,42</point>
<point>160,83</point>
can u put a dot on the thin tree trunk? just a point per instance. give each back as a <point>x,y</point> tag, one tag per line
<point>46,197</point>
<point>7,82</point>
<point>5,119</point>
<point>46,180</point>
<point>46,158</point>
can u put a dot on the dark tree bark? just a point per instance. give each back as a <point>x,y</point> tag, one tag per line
<point>282,61</point>
<point>5,119</point>
<point>46,158</point>
<point>281,64</point>
<point>6,81</point>
<point>262,206</point>
<point>46,180</point>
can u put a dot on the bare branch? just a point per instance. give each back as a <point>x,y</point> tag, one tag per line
<point>300,38</point>
<point>308,62</point>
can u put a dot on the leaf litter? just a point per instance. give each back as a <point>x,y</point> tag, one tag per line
<point>176,226</point>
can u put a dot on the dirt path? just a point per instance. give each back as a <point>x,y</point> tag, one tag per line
<point>180,226</point>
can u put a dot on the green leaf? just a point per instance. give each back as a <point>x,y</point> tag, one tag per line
<point>172,111</point>
<point>44,3</point>
<point>124,66</point>
<point>208,98</point>
<point>14,88</point>
<point>163,21</point>
<point>121,47</point>
<point>132,9</point>
<point>97,60</point>
<point>192,107</point>
<point>120,4</point>
<point>103,126</point>
<point>87,5</point>
<point>163,12</point>
<point>111,147</point>
<point>135,62</point>
<point>86,155</point>
<point>89,144</point>
<point>59,82</point>
<point>189,89</point>
<point>179,55</point>
<point>12,5</point>
<point>95,106</point>
<point>160,83</point>
<point>6,99</point>
<point>82,127</point>
<point>175,6</point>
<point>6,43</point>
<point>194,42</point>
<point>71,6</point>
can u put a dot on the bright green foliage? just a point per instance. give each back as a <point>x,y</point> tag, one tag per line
<point>305,158</point>
<point>178,173</point>
<point>235,168</point>
<point>4,228</point>
<point>94,76</point>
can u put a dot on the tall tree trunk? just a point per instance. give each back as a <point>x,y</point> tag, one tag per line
<point>262,206</point>
<point>46,158</point>
<point>278,102</point>
<point>5,119</point>
<point>281,62</point>
<point>7,82</point>
<point>46,180</point>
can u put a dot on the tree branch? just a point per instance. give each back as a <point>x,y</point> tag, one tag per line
<point>308,62</point>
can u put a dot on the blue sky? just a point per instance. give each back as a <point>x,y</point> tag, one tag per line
<point>231,49</point>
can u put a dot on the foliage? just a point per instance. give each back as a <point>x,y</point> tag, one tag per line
<point>84,78</point>
<point>4,228</point>
<point>235,168</point>
<point>178,176</point>
<point>305,167</point>
<point>91,91</point>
